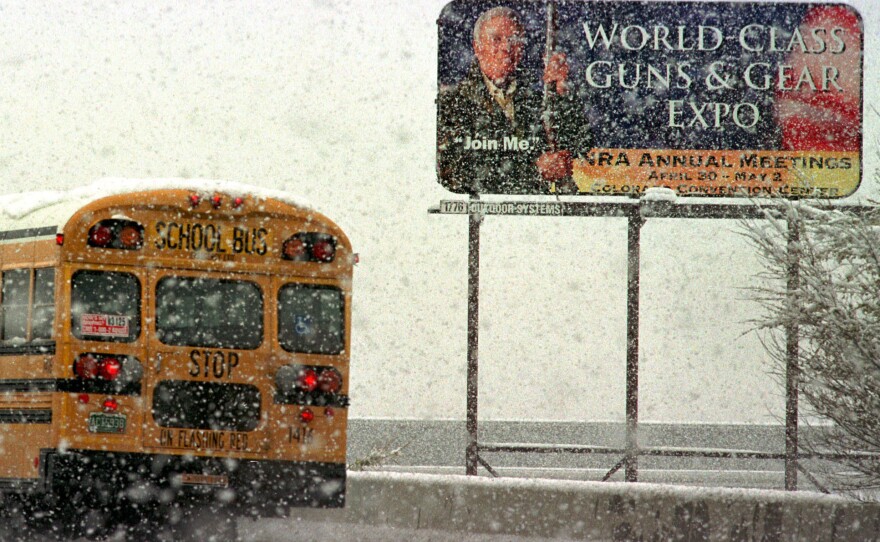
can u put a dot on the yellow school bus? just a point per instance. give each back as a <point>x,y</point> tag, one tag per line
<point>172,345</point>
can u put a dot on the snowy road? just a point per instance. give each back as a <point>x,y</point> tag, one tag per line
<point>295,530</point>
<point>422,507</point>
<point>437,447</point>
<point>309,531</point>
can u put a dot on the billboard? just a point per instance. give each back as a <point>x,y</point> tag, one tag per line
<point>614,97</point>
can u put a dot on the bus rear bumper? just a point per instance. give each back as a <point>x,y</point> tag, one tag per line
<point>255,487</point>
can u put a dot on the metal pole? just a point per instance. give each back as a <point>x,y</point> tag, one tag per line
<point>632,349</point>
<point>792,352</point>
<point>549,49</point>
<point>473,335</point>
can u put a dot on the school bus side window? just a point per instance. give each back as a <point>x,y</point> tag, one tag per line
<point>44,304</point>
<point>19,306</point>
<point>311,319</point>
<point>105,306</point>
<point>16,293</point>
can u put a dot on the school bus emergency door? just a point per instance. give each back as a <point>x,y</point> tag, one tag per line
<point>206,382</point>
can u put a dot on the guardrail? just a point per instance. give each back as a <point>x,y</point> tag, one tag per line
<point>606,511</point>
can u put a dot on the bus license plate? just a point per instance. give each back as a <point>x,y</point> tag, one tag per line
<point>100,422</point>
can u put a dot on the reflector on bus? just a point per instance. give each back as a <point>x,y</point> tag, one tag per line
<point>309,247</point>
<point>117,233</point>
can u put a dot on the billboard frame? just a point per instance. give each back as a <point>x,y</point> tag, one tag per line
<point>760,164</point>
<point>637,212</point>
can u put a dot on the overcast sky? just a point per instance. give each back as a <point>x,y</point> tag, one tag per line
<point>334,101</point>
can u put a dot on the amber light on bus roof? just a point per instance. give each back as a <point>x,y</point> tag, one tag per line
<point>216,201</point>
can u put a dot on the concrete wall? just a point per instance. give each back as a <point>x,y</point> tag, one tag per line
<point>599,511</point>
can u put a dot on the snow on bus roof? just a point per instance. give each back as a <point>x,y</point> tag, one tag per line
<point>54,208</point>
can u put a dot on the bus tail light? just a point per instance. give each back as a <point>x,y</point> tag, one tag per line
<point>106,373</point>
<point>309,247</point>
<point>324,250</point>
<point>296,378</point>
<point>308,384</point>
<point>86,367</point>
<point>330,381</point>
<point>100,236</point>
<point>116,233</point>
<point>295,249</point>
<point>89,366</point>
<point>110,405</point>
<point>307,380</point>
<point>131,236</point>
<point>306,415</point>
<point>109,368</point>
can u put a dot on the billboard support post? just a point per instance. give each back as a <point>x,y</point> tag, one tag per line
<point>636,212</point>
<point>634,229</point>
<point>792,353</point>
<point>473,334</point>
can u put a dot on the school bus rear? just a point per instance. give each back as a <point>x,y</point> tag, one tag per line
<point>201,349</point>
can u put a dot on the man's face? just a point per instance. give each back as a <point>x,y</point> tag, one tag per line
<point>499,47</point>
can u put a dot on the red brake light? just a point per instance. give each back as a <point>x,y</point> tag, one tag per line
<point>100,236</point>
<point>92,366</point>
<point>323,251</point>
<point>108,368</point>
<point>307,380</point>
<point>86,366</point>
<point>110,405</point>
<point>306,415</point>
<point>130,236</point>
<point>294,249</point>
<point>329,381</point>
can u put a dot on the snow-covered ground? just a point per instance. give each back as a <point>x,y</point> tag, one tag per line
<point>294,530</point>
<point>394,506</point>
<point>314,531</point>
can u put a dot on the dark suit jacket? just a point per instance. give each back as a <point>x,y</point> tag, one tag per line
<point>467,110</point>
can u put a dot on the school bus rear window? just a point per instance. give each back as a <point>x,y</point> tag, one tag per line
<point>207,405</point>
<point>209,312</point>
<point>311,319</point>
<point>105,306</point>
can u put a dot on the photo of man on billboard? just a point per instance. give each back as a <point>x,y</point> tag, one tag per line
<point>500,132</point>
<point>720,99</point>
